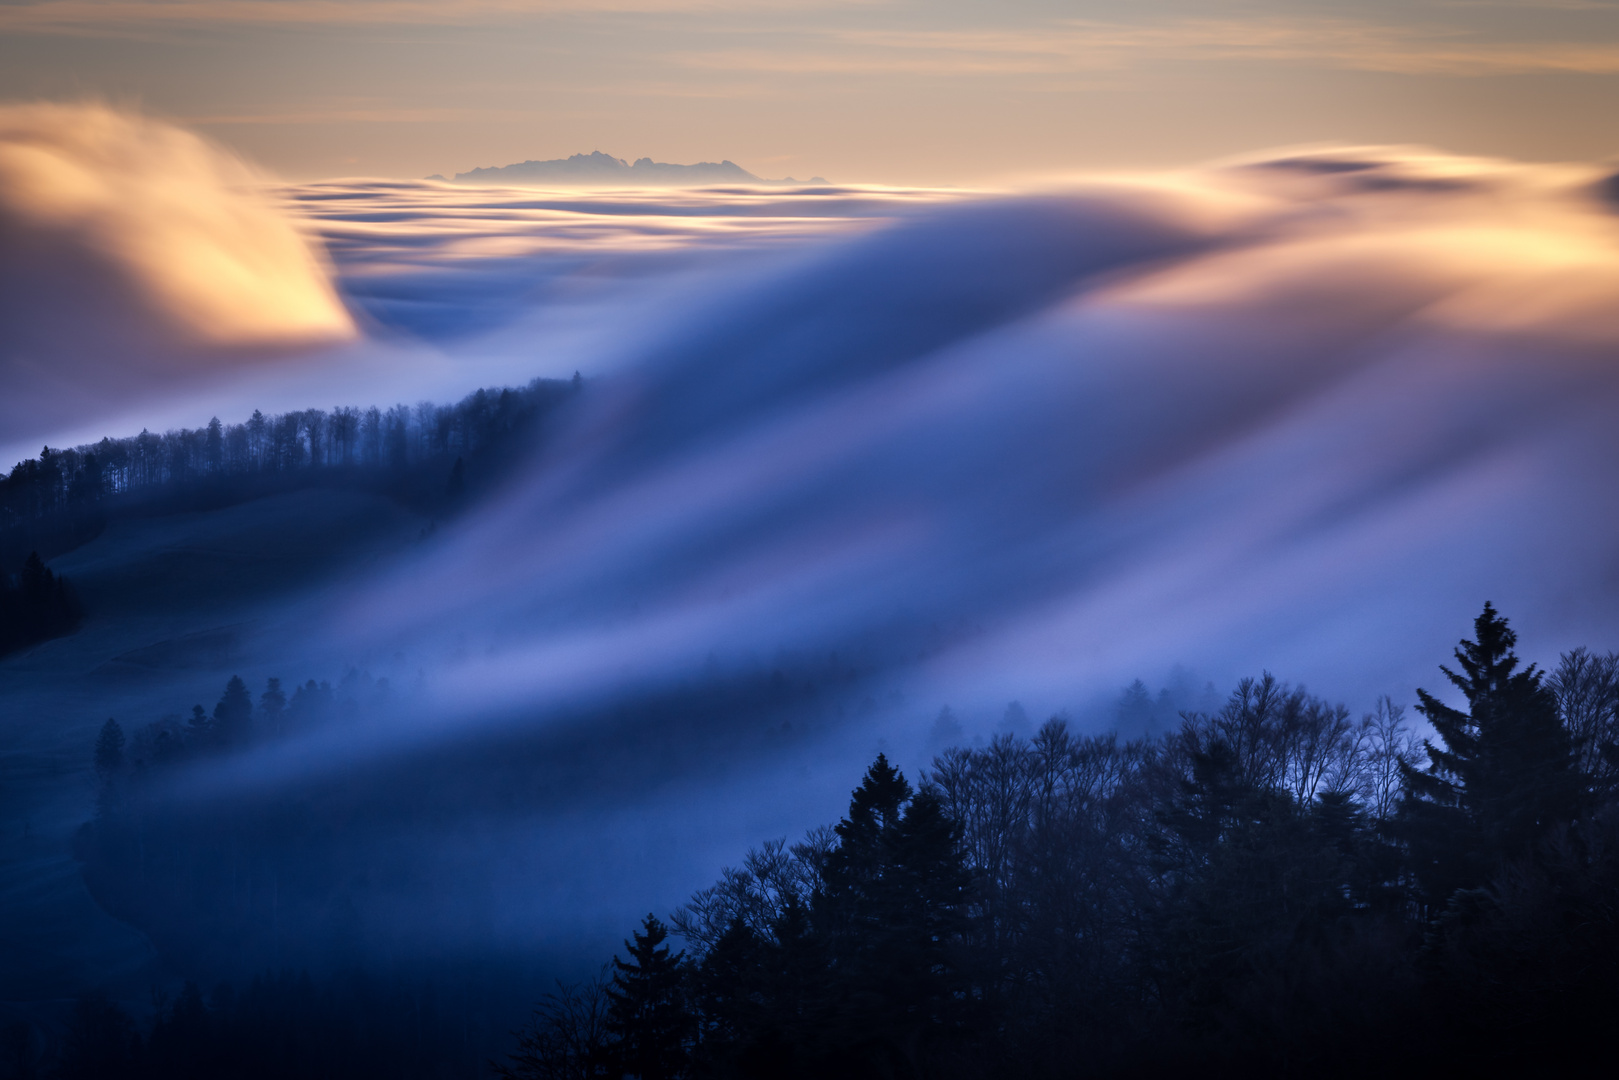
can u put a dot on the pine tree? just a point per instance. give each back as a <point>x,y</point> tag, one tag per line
<point>648,1014</point>
<point>1504,775</point>
<point>889,917</point>
<point>233,716</point>
<point>874,807</point>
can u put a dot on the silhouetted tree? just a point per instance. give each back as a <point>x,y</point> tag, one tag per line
<point>1503,775</point>
<point>1230,897</point>
<point>647,1013</point>
<point>233,715</point>
<point>1587,688</point>
<point>40,607</point>
<point>890,917</point>
<point>567,1036</point>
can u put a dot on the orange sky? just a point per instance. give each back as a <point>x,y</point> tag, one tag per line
<point>905,91</point>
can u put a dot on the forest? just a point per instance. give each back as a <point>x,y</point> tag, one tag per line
<point>1274,887</point>
<point>433,458</point>
<point>64,497</point>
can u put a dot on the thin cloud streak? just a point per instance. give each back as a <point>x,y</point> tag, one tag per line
<point>110,17</point>
<point>360,116</point>
<point>1085,46</point>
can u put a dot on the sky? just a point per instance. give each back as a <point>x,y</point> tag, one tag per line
<point>880,91</point>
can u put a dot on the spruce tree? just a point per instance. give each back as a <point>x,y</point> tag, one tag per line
<point>890,916</point>
<point>648,1014</point>
<point>1502,776</point>
<point>874,807</point>
<point>233,716</point>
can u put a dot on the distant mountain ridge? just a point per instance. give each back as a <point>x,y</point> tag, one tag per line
<point>599,169</point>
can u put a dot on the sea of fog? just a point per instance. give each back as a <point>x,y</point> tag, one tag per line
<point>847,457</point>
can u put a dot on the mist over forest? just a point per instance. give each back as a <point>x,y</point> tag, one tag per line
<point>803,631</point>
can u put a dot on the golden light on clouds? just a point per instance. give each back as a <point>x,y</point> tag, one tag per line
<point>174,218</point>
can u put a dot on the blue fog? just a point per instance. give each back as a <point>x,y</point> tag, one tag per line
<point>847,457</point>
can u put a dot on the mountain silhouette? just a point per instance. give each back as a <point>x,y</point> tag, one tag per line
<point>599,169</point>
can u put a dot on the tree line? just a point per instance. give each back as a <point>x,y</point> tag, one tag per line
<point>251,879</point>
<point>251,894</point>
<point>1274,888</point>
<point>60,498</point>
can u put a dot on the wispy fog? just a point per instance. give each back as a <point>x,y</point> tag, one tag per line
<point>847,456</point>
<point>1266,415</point>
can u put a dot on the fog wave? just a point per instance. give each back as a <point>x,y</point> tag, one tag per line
<point>133,253</point>
<point>1278,413</point>
<point>880,454</point>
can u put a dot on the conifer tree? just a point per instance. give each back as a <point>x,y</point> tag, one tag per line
<point>874,807</point>
<point>200,731</point>
<point>234,713</point>
<point>1503,775</point>
<point>889,917</point>
<point>647,1010</point>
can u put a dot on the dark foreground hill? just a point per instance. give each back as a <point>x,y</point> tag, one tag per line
<point>1272,890</point>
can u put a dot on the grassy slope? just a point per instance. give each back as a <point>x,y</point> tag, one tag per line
<point>175,604</point>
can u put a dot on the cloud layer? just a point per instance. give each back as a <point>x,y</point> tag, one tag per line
<point>875,452</point>
<point>1304,412</point>
<point>1110,429</point>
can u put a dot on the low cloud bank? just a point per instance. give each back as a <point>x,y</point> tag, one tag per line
<point>1303,413</point>
<point>1280,413</point>
<point>135,254</point>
